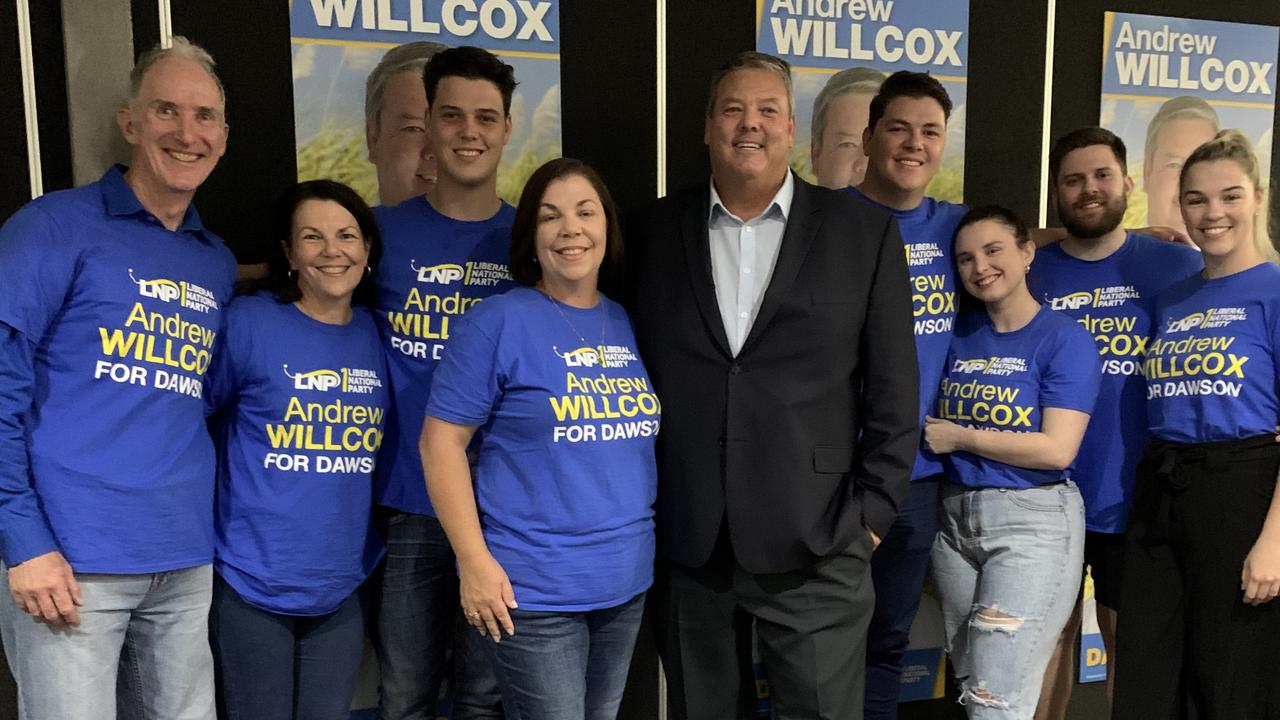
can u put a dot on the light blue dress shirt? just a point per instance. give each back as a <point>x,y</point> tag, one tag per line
<point>743,254</point>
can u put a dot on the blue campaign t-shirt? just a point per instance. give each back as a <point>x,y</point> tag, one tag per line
<point>1211,369</point>
<point>301,406</point>
<point>566,478</point>
<point>124,314</point>
<point>433,269</point>
<point>1114,300</point>
<point>927,232</point>
<point>1003,381</point>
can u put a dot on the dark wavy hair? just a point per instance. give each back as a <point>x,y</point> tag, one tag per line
<point>906,83</point>
<point>279,281</point>
<point>471,63</point>
<point>524,231</point>
<point>966,303</point>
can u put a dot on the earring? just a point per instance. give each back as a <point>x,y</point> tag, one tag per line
<point>292,274</point>
<point>1028,268</point>
<point>535,261</point>
<point>368,271</point>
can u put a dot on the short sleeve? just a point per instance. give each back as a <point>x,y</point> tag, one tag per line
<point>235,342</point>
<point>468,380</point>
<point>39,271</point>
<point>1073,371</point>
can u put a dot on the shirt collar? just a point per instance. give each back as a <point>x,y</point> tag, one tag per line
<point>122,202</point>
<point>781,203</point>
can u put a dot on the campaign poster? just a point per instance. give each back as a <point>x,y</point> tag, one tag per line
<point>1168,84</point>
<point>822,37</point>
<point>336,43</point>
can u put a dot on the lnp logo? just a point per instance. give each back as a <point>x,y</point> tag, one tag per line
<point>1211,318</point>
<point>442,274</point>
<point>188,295</point>
<point>971,366</point>
<point>314,380</point>
<point>1074,301</point>
<point>582,357</point>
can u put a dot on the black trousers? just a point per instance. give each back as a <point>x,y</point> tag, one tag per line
<point>812,631</point>
<point>1187,644</point>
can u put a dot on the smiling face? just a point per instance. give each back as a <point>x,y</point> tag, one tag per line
<point>905,147</point>
<point>327,250</point>
<point>1174,143</point>
<point>571,236</point>
<point>176,129</point>
<point>837,156</point>
<point>1092,192</point>
<point>398,141</point>
<point>468,129</point>
<point>750,130</point>
<point>1219,204</point>
<point>992,265</point>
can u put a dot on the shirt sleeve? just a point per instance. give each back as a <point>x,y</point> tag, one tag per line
<point>24,530</point>
<point>1073,373</point>
<point>468,380</point>
<point>39,272</point>
<point>221,381</point>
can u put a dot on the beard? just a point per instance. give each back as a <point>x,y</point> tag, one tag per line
<point>1110,219</point>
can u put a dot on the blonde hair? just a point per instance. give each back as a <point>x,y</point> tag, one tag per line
<point>1232,144</point>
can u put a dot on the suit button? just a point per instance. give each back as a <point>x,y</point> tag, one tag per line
<point>734,369</point>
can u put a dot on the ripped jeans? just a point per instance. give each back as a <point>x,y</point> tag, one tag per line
<point>1007,564</point>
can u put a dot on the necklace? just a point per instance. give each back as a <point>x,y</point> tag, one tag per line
<point>604,320</point>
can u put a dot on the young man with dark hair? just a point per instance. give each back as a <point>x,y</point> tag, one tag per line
<point>904,142</point>
<point>443,252</point>
<point>1107,279</point>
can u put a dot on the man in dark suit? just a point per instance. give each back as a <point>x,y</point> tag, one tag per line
<point>775,320</point>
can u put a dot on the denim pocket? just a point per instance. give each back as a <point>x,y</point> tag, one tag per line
<point>1047,500</point>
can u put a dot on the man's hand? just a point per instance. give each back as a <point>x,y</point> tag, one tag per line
<point>1168,234</point>
<point>875,539</point>
<point>46,588</point>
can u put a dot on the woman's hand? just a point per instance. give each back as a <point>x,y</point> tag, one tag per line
<point>1260,578</point>
<point>942,436</point>
<point>486,595</point>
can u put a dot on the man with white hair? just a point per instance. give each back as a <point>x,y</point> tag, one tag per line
<point>108,320</point>
<point>395,107</point>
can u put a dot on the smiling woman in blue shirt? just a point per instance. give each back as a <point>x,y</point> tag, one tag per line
<point>300,391</point>
<point>553,527</point>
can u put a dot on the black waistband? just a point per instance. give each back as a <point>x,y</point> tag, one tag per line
<point>1176,463</point>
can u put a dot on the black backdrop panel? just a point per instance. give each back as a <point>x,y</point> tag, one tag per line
<point>608,66</point>
<point>51,95</point>
<point>1004,120</point>
<point>15,181</point>
<point>250,42</point>
<point>701,36</point>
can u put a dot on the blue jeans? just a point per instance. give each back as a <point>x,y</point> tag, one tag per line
<point>280,667</point>
<point>567,666</point>
<point>147,634</point>
<point>1008,566</point>
<point>419,620</point>
<point>898,569</point>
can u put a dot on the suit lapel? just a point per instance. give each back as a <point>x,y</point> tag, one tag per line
<point>694,210</point>
<point>802,225</point>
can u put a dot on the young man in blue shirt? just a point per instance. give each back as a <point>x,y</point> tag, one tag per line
<point>107,325</point>
<point>1106,278</point>
<point>904,142</point>
<point>442,253</point>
